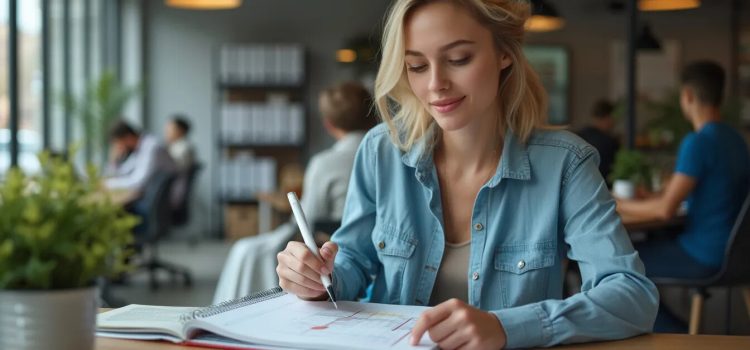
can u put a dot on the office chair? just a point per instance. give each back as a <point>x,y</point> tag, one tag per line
<point>157,200</point>
<point>734,272</point>
<point>182,191</point>
<point>324,229</point>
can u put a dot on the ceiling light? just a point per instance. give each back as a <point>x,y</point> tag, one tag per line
<point>205,4</point>
<point>647,41</point>
<point>667,5</point>
<point>544,18</point>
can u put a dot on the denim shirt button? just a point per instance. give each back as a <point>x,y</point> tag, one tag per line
<point>381,245</point>
<point>521,265</point>
<point>478,226</point>
<point>475,276</point>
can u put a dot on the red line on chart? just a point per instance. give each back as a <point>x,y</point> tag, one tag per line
<point>325,326</point>
<point>399,326</point>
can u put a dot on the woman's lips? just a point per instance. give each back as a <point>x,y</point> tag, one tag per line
<point>447,105</point>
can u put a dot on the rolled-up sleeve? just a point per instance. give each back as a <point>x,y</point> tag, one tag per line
<point>616,299</point>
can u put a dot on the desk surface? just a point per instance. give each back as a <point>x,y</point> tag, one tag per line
<point>644,342</point>
<point>632,223</point>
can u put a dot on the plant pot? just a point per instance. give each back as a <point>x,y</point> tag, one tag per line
<point>624,189</point>
<point>48,319</point>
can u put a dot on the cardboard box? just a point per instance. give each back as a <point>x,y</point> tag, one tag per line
<point>240,221</point>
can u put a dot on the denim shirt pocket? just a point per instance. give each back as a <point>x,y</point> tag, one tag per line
<point>524,271</point>
<point>394,248</point>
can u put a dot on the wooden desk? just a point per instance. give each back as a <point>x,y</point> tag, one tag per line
<point>669,342</point>
<point>644,342</point>
<point>638,224</point>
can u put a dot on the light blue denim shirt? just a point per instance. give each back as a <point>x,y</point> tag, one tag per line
<point>546,201</point>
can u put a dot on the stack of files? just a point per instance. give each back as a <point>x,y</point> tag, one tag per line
<point>245,175</point>
<point>262,64</point>
<point>278,123</point>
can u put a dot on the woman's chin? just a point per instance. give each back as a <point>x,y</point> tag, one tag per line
<point>451,123</point>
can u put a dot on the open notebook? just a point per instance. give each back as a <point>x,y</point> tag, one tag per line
<point>270,319</point>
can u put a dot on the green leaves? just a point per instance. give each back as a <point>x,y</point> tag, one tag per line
<point>57,231</point>
<point>103,101</point>
<point>631,165</point>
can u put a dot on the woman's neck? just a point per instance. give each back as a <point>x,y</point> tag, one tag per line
<point>471,149</point>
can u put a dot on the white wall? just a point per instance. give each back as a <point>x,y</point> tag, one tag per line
<point>180,60</point>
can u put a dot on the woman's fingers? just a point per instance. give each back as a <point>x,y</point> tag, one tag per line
<point>296,271</point>
<point>328,253</point>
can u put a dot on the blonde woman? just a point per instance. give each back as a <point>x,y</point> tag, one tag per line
<point>463,200</point>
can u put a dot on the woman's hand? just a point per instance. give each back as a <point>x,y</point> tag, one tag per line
<point>299,270</point>
<point>457,325</point>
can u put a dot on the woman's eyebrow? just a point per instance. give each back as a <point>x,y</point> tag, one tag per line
<point>443,48</point>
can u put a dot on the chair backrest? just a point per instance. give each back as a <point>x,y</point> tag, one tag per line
<point>736,267</point>
<point>182,190</point>
<point>324,229</point>
<point>156,197</point>
<point>326,226</point>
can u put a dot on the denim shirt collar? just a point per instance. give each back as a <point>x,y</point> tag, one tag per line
<point>514,162</point>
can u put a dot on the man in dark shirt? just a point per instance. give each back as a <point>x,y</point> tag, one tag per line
<point>599,135</point>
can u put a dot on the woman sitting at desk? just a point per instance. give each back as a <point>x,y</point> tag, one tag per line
<point>464,199</point>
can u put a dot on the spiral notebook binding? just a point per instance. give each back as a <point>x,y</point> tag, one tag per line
<point>234,304</point>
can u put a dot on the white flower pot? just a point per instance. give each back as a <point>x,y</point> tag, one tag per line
<point>624,189</point>
<point>48,319</point>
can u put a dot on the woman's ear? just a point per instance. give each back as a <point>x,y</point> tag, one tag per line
<point>504,61</point>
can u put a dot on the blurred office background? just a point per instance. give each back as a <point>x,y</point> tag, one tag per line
<point>226,69</point>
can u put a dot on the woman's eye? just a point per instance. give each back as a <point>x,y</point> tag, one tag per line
<point>460,61</point>
<point>417,68</point>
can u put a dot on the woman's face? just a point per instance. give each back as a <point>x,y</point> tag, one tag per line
<point>453,66</point>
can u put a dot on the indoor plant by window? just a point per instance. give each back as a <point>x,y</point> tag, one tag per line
<point>58,233</point>
<point>629,171</point>
<point>102,102</point>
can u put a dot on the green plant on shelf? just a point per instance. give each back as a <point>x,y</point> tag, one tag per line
<point>631,166</point>
<point>58,231</point>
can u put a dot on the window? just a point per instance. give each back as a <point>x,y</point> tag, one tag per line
<point>81,42</point>
<point>29,84</point>
<point>4,103</point>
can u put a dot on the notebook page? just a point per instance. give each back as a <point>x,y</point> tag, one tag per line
<point>289,321</point>
<point>136,318</point>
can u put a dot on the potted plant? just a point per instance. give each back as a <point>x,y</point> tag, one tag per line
<point>57,235</point>
<point>629,171</point>
<point>102,102</point>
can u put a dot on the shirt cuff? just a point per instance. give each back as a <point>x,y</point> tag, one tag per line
<point>525,326</point>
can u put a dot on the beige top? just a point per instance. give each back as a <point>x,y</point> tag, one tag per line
<point>452,280</point>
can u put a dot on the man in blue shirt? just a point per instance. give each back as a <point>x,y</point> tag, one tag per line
<point>712,173</point>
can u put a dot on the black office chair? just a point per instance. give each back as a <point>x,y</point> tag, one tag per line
<point>324,229</point>
<point>734,272</point>
<point>157,200</point>
<point>182,191</point>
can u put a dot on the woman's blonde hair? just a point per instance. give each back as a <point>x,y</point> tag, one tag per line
<point>523,100</point>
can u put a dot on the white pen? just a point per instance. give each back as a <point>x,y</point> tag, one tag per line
<point>307,236</point>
